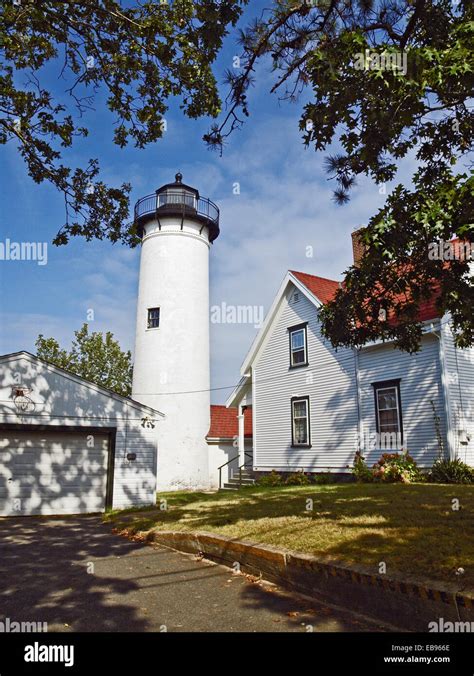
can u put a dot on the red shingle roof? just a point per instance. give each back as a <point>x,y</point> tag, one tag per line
<point>224,423</point>
<point>427,309</point>
<point>324,289</point>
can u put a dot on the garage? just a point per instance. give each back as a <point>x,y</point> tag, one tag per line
<point>44,471</point>
<point>70,446</point>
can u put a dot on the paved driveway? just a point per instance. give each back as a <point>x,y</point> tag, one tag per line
<point>76,575</point>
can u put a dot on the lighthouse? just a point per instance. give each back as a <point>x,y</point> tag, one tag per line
<point>171,371</point>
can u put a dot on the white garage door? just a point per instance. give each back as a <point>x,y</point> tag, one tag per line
<point>52,472</point>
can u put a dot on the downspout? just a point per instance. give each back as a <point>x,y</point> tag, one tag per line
<point>241,438</point>
<point>445,388</point>
<point>462,436</point>
<point>359,406</point>
<point>253,379</point>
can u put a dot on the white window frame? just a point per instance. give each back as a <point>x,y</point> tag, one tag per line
<point>297,329</point>
<point>294,442</point>
<point>380,387</point>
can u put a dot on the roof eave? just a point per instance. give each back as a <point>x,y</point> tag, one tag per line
<point>289,277</point>
<point>80,380</point>
<point>237,393</point>
<point>428,326</point>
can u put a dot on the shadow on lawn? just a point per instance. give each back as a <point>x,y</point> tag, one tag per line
<point>412,529</point>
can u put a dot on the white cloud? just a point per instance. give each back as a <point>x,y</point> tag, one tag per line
<point>285,206</point>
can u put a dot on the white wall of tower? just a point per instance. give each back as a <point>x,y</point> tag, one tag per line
<point>171,370</point>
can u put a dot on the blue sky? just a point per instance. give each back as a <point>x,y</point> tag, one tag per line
<point>284,207</point>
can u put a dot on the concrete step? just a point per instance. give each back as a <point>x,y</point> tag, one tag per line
<point>235,480</point>
<point>233,484</point>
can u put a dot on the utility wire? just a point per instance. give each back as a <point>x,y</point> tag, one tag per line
<point>211,389</point>
<point>226,387</point>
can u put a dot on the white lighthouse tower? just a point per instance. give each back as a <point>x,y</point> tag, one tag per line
<point>171,371</point>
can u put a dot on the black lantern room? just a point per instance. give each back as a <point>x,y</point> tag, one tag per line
<point>177,199</point>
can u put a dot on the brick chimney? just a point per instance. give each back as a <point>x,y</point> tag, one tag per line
<point>358,247</point>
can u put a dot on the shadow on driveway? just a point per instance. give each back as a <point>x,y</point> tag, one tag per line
<point>76,575</point>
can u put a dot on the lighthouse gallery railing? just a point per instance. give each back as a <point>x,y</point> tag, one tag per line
<point>202,206</point>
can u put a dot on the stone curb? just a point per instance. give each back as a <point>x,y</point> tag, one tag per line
<point>410,606</point>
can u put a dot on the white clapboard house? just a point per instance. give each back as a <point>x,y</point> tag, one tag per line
<point>313,406</point>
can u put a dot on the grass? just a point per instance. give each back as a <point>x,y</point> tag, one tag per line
<point>412,528</point>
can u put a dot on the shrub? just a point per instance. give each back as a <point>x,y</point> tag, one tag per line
<point>297,479</point>
<point>392,467</point>
<point>361,470</point>
<point>272,479</point>
<point>324,478</point>
<point>451,472</point>
<point>396,467</point>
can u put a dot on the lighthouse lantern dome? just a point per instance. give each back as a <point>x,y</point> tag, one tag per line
<point>177,199</point>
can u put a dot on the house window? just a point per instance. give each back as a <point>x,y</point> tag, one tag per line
<point>388,410</point>
<point>153,317</point>
<point>298,346</point>
<point>300,427</point>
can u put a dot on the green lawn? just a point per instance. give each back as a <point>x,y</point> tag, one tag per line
<point>412,528</point>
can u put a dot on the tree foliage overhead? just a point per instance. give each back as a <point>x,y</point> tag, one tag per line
<point>388,79</point>
<point>93,356</point>
<point>367,118</point>
<point>139,53</point>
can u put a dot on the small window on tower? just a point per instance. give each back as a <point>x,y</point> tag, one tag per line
<point>153,317</point>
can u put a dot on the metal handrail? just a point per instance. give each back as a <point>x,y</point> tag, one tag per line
<point>250,455</point>
<point>203,206</point>
<point>241,467</point>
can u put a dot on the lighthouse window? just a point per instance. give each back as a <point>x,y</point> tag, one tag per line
<point>153,317</point>
<point>178,197</point>
<point>298,349</point>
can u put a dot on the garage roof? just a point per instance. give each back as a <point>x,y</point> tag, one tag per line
<point>82,381</point>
